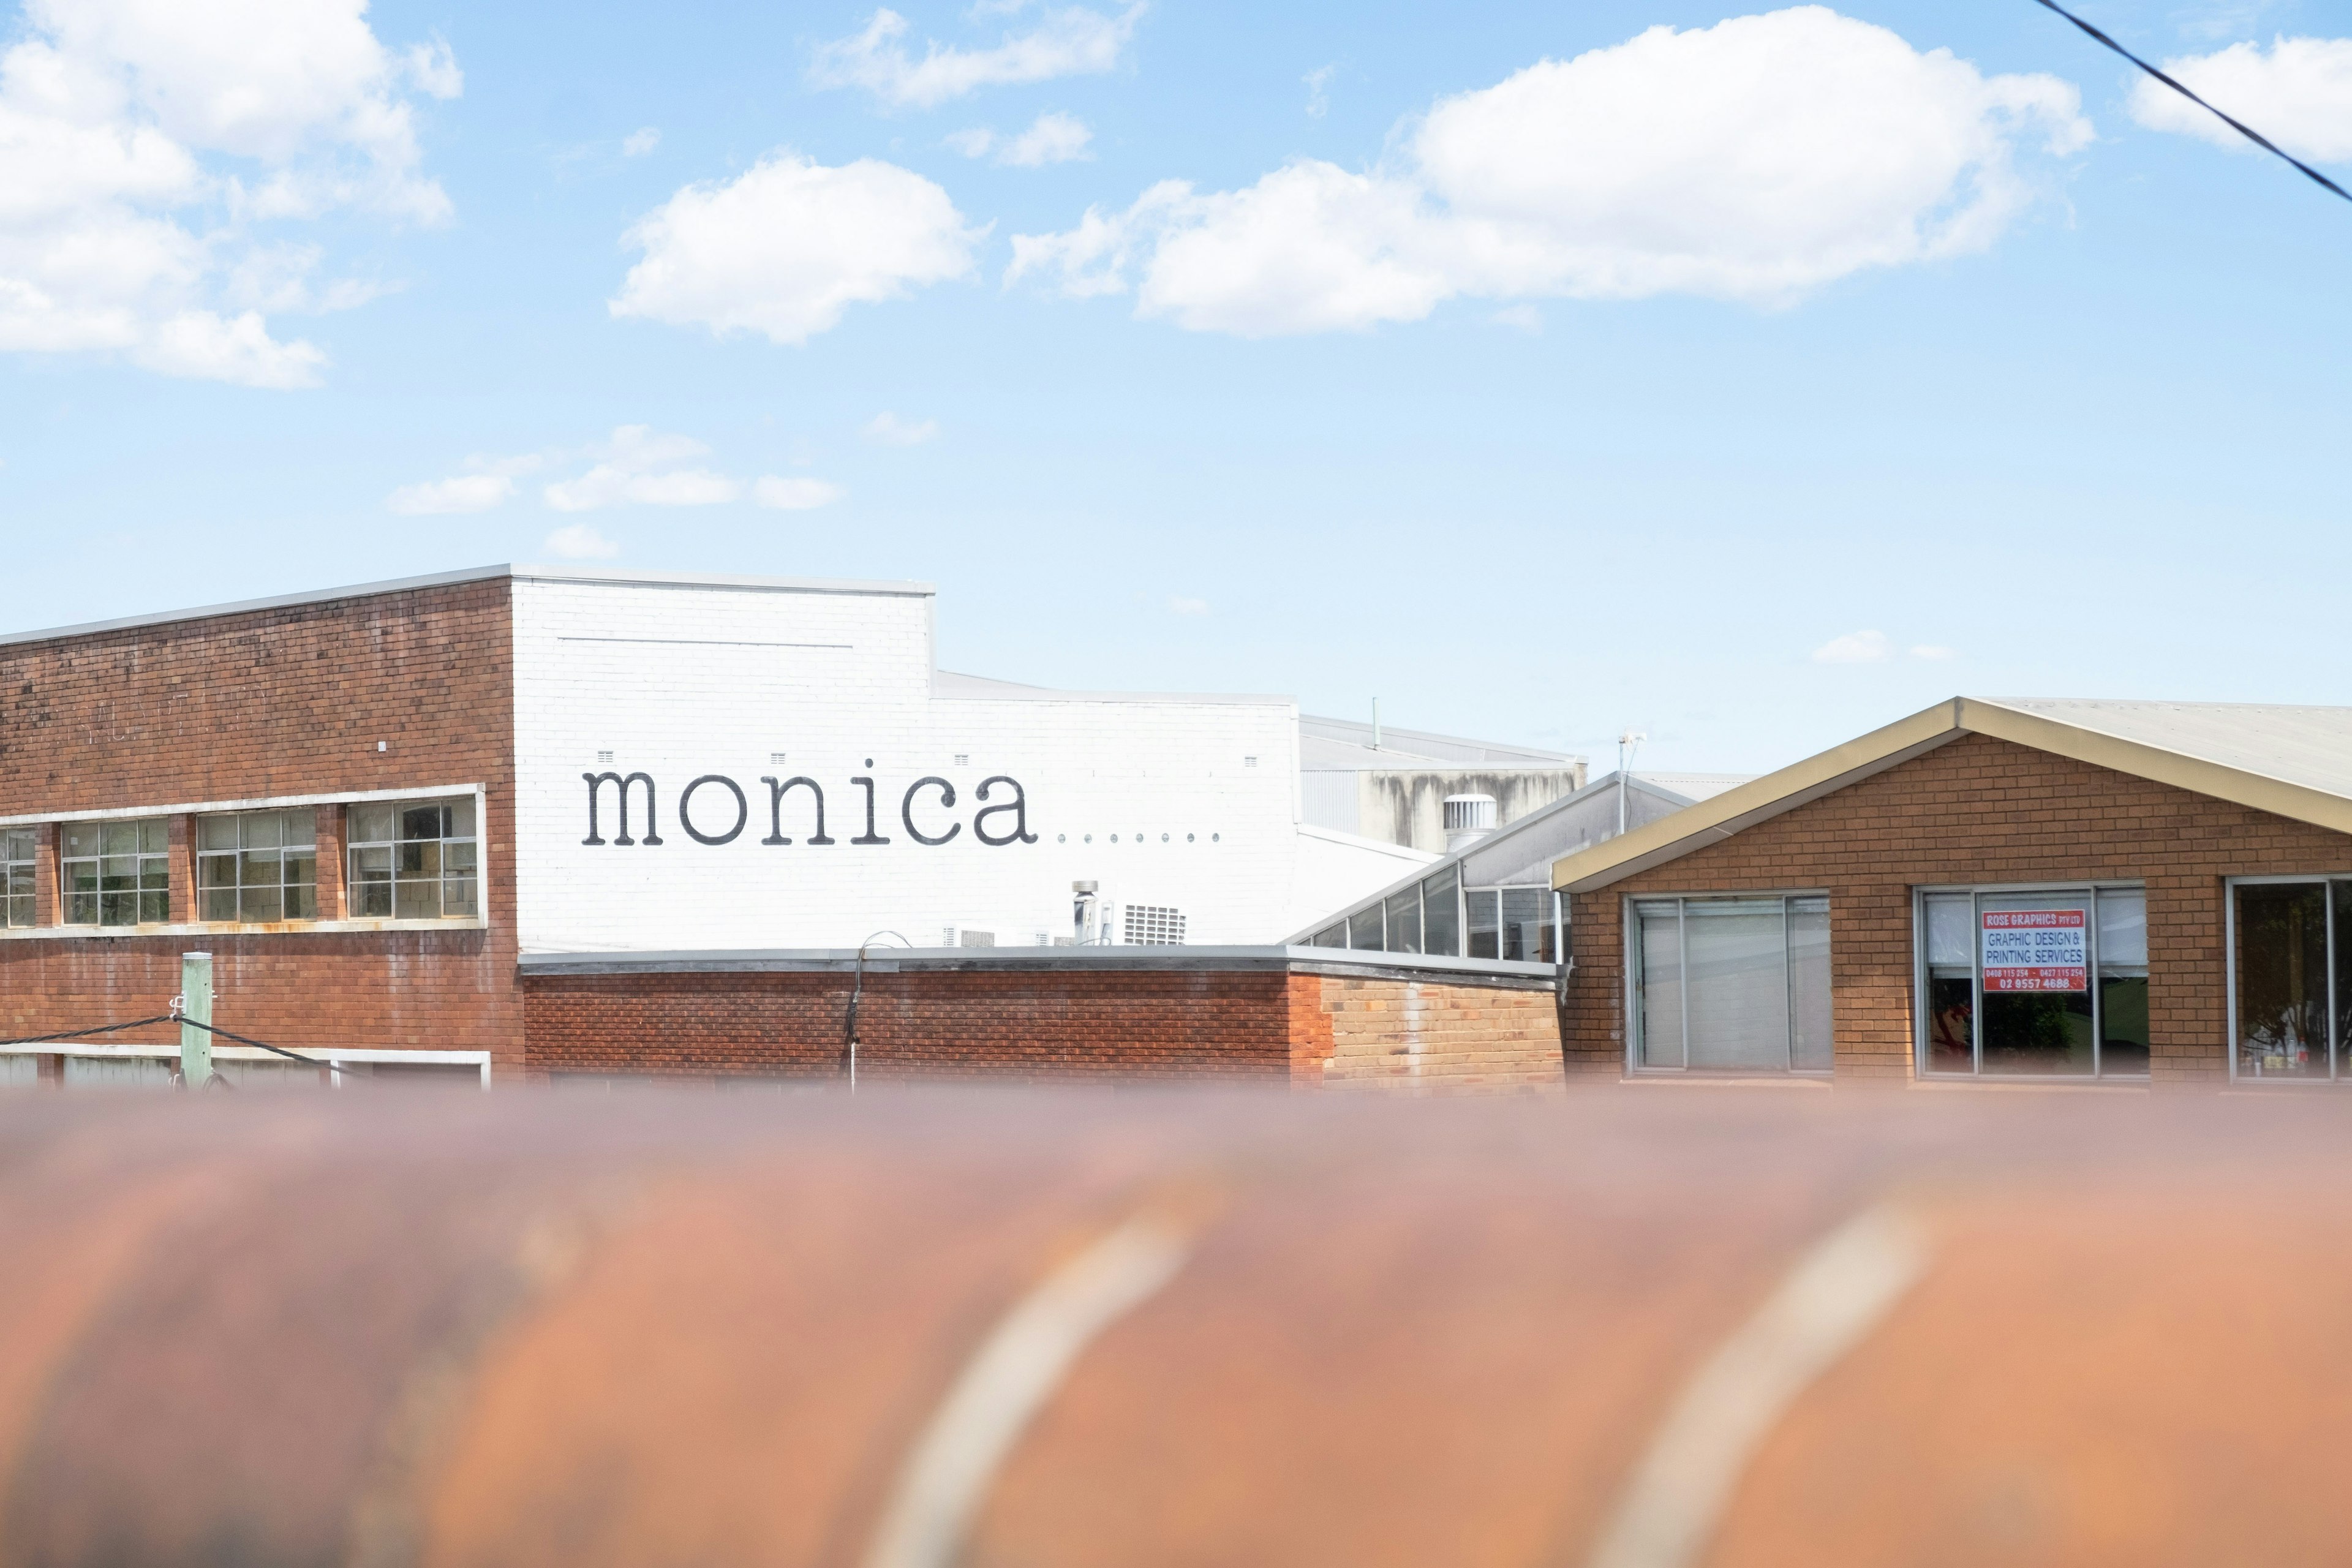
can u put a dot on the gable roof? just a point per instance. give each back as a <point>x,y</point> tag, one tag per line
<point>2291,761</point>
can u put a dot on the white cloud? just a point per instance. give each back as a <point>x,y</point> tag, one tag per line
<point>892,431</point>
<point>1854,647</point>
<point>1319,90</point>
<point>639,467</point>
<point>785,247</point>
<point>465,492</point>
<point>639,142</point>
<point>1189,606</point>
<point>1754,160</point>
<point>973,143</point>
<point>1054,138</point>
<point>138,141</point>
<point>785,494</point>
<point>2298,93</point>
<point>581,541</point>
<point>1522,317</point>
<point>1072,42</point>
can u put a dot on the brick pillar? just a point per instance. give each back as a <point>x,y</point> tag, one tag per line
<point>331,860</point>
<point>47,911</point>
<point>183,868</point>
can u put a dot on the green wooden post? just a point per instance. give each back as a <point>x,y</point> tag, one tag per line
<point>195,1007</point>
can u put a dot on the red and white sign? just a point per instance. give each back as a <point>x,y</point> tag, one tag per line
<point>2036,950</point>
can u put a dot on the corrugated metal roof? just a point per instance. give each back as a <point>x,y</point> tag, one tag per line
<point>1325,743</point>
<point>2307,746</point>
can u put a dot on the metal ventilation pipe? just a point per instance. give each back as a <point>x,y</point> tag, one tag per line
<point>1468,819</point>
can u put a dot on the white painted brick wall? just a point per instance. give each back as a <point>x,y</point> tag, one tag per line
<point>679,682</point>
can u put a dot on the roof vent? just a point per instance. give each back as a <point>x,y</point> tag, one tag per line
<point>1468,819</point>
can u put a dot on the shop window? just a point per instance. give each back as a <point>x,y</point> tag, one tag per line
<point>414,860</point>
<point>17,850</point>
<point>1731,984</point>
<point>2039,983</point>
<point>258,866</point>
<point>2290,977</point>
<point>117,873</point>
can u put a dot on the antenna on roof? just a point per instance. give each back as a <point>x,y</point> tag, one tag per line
<point>1627,745</point>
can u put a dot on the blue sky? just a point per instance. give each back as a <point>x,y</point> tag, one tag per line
<point>1536,401</point>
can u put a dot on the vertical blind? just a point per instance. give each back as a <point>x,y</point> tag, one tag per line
<point>1733,984</point>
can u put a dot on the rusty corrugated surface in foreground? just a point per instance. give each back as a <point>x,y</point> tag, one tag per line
<point>516,1330</point>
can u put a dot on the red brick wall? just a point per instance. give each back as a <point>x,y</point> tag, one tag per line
<point>1976,810</point>
<point>276,702</point>
<point>1306,1028</point>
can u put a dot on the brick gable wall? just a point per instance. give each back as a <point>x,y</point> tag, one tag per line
<point>1976,810</point>
<point>273,702</point>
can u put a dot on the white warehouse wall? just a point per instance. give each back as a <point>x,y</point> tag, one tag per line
<point>679,678</point>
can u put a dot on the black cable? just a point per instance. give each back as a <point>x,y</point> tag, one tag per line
<point>2240,126</point>
<point>99,1030</point>
<point>261,1045</point>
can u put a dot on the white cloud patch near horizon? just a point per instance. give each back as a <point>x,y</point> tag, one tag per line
<point>640,142</point>
<point>139,146</point>
<point>1755,160</point>
<point>581,541</point>
<point>783,249</point>
<point>892,431</point>
<point>2298,93</point>
<point>461,493</point>
<point>780,493</point>
<point>1052,138</point>
<point>638,466</point>
<point>1070,42</point>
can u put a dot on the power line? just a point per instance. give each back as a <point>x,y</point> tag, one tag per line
<point>2240,126</point>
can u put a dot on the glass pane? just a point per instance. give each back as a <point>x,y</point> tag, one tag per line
<point>2123,930</point>
<point>260,904</point>
<point>1661,999</point>
<point>82,838</point>
<point>2282,980</point>
<point>461,818</point>
<point>1526,925</point>
<point>417,901</point>
<point>155,873</point>
<point>418,859</point>
<point>1404,920</point>
<point>261,830</point>
<point>20,909</point>
<point>420,822</point>
<point>1364,931</point>
<point>458,856</point>
<point>1949,940</point>
<point>301,903</point>
<point>81,876</point>
<point>119,837</point>
<point>299,827</point>
<point>154,908</point>
<point>219,904</point>
<point>1951,1023</point>
<point>20,881</point>
<point>2123,1023</point>
<point>370,900</point>
<point>1440,928</point>
<point>216,833</point>
<point>215,870</point>
<point>2034,949</point>
<point>16,843</point>
<point>301,865</point>
<point>1330,936</point>
<point>2341,892</point>
<point>1809,984</point>
<point>155,836</point>
<point>258,868</point>
<point>373,823</point>
<point>372,865</point>
<point>1738,977</point>
<point>118,873</point>
<point>117,909</point>
<point>81,909</point>
<point>1485,907</point>
<point>457,898</point>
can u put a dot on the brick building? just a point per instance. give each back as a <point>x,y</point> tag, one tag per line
<point>422,825</point>
<point>2090,893</point>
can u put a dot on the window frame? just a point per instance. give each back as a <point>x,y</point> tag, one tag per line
<point>2336,1049</point>
<point>138,894</point>
<point>199,853</point>
<point>353,843</point>
<point>1631,929</point>
<point>8,864</point>
<point>2098,1076</point>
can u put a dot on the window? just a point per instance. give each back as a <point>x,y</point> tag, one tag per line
<point>1731,984</point>
<point>258,866</point>
<point>117,873</point>
<point>2044,982</point>
<point>1154,925</point>
<point>1364,929</point>
<point>2291,979</point>
<point>413,860</point>
<point>1330,936</point>
<point>1441,917</point>
<point>17,846</point>
<point>1404,920</point>
<point>1513,922</point>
